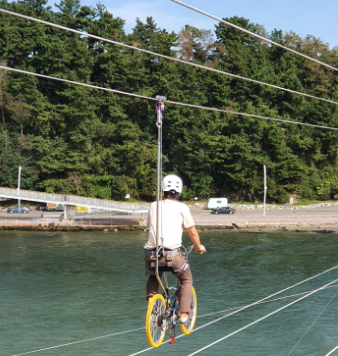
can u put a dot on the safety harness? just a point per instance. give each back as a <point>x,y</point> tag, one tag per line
<point>165,261</point>
<point>165,257</point>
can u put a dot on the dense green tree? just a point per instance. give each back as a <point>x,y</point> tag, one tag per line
<point>73,139</point>
<point>196,44</point>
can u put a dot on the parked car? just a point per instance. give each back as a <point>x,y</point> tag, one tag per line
<point>23,210</point>
<point>223,210</point>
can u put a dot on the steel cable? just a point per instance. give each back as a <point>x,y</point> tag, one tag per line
<point>262,318</point>
<point>77,342</point>
<point>163,56</point>
<point>168,101</point>
<point>255,35</point>
<point>308,329</point>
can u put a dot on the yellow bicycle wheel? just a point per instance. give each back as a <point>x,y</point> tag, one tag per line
<point>155,320</point>
<point>188,326</point>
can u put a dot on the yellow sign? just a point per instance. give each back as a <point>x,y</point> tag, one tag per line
<point>82,209</point>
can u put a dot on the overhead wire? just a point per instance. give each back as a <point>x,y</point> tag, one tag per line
<point>164,56</point>
<point>261,319</point>
<point>229,112</point>
<point>309,328</point>
<point>266,298</point>
<point>256,35</point>
<point>77,342</point>
<point>264,302</point>
<point>332,351</point>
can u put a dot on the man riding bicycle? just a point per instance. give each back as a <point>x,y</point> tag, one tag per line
<point>174,217</point>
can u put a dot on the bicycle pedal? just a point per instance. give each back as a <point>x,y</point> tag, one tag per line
<point>171,340</point>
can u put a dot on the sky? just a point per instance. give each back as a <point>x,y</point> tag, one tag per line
<point>304,17</point>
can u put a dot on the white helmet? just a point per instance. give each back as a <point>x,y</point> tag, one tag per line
<point>172,182</point>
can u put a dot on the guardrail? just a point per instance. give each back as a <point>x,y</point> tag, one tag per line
<point>109,221</point>
<point>273,219</point>
<point>72,200</point>
<point>28,222</point>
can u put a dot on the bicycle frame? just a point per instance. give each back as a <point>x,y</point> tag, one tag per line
<point>171,312</point>
<point>167,296</point>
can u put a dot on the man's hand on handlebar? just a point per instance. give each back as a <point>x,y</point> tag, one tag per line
<point>201,249</point>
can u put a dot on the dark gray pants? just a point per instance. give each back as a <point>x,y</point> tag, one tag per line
<point>185,280</point>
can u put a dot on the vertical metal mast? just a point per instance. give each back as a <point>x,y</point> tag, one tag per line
<point>265,189</point>
<point>159,110</point>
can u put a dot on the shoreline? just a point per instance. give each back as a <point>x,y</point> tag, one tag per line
<point>238,227</point>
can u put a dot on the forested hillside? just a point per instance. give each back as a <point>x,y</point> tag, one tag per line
<point>76,140</point>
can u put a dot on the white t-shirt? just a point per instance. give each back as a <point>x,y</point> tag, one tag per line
<point>172,219</point>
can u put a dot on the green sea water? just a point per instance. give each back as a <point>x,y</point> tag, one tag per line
<point>83,293</point>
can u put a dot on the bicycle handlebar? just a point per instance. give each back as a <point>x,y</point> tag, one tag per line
<point>187,250</point>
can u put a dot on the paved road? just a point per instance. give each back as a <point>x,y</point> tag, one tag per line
<point>325,215</point>
<point>32,218</point>
<point>32,215</point>
<point>319,216</point>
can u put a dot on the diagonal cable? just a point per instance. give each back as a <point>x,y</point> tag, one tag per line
<point>262,318</point>
<point>229,112</point>
<point>255,35</point>
<point>78,342</point>
<point>312,324</point>
<point>332,351</point>
<point>164,56</point>
<point>264,302</point>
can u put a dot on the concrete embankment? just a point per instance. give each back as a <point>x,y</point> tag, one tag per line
<point>111,224</point>
<point>323,226</point>
<point>305,222</point>
<point>73,228</point>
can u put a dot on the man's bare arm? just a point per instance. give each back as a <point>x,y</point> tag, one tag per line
<point>195,239</point>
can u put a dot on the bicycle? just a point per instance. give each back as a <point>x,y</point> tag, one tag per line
<point>163,311</point>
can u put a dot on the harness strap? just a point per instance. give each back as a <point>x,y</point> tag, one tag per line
<point>165,261</point>
<point>164,253</point>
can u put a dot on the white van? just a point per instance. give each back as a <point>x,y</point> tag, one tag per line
<point>214,203</point>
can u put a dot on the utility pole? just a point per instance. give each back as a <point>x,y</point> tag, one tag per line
<point>265,189</point>
<point>19,182</point>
